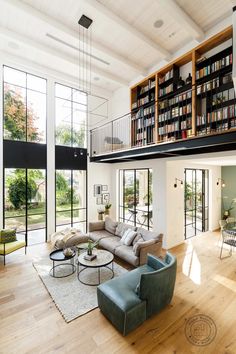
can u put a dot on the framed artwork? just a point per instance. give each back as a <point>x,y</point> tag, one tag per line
<point>105,198</point>
<point>104,188</point>
<point>97,190</point>
<point>99,200</point>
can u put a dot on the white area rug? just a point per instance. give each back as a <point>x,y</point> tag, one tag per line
<point>72,298</point>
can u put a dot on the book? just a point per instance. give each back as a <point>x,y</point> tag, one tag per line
<point>90,258</point>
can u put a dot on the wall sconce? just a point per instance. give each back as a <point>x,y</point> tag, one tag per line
<point>176,183</point>
<point>75,153</point>
<point>220,181</point>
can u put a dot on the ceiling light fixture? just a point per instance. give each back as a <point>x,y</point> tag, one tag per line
<point>158,23</point>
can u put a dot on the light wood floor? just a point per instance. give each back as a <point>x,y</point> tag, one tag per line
<point>30,322</point>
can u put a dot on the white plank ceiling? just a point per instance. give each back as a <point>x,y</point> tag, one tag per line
<point>123,32</point>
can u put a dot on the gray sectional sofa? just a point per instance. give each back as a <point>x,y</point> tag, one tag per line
<point>109,233</point>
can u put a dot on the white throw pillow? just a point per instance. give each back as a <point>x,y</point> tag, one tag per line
<point>128,237</point>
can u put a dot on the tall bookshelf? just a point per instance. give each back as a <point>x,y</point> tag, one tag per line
<point>166,109</point>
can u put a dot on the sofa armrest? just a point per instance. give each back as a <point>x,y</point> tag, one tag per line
<point>154,249</point>
<point>96,226</point>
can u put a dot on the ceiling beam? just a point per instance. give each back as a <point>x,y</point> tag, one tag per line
<point>128,27</point>
<point>25,41</point>
<point>58,26</point>
<point>181,17</point>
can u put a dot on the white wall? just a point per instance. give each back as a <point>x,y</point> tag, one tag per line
<point>168,202</point>
<point>120,102</point>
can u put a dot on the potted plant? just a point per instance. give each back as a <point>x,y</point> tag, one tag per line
<point>91,246</point>
<point>107,209</point>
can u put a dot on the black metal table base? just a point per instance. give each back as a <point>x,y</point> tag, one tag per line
<point>99,273</point>
<point>53,273</point>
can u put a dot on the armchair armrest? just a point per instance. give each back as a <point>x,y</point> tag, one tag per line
<point>96,226</point>
<point>152,249</point>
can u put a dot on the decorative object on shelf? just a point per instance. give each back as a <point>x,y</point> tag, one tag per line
<point>104,188</point>
<point>97,189</point>
<point>107,209</point>
<point>105,198</point>
<point>91,246</point>
<point>189,79</point>
<point>176,183</point>
<point>68,252</point>
<point>200,59</point>
<point>99,200</point>
<point>227,210</point>
<point>180,82</point>
<point>221,182</point>
<point>90,258</point>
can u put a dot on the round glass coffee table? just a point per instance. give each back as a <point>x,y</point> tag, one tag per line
<point>58,256</point>
<point>103,259</point>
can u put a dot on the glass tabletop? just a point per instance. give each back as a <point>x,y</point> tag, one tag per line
<point>230,227</point>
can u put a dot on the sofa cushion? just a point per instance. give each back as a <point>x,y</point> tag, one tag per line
<point>137,247</point>
<point>122,227</point>
<point>128,237</point>
<point>148,235</point>
<point>7,235</point>
<point>96,225</point>
<point>126,253</point>
<point>110,243</point>
<point>137,238</point>
<point>11,246</point>
<point>98,235</point>
<point>110,225</point>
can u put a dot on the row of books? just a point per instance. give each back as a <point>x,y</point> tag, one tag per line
<point>178,99</point>
<point>211,68</point>
<point>167,76</point>
<point>164,116</point>
<point>142,113</point>
<point>141,123</point>
<point>168,89</point>
<point>217,128</point>
<point>223,113</point>
<point>208,86</point>
<point>186,124</point>
<point>169,128</point>
<point>179,111</point>
<point>149,86</point>
<point>145,137</point>
<point>143,100</point>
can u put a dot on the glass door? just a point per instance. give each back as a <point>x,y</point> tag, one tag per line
<point>196,202</point>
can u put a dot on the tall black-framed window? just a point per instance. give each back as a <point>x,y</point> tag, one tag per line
<point>135,197</point>
<point>24,153</point>
<point>71,157</point>
<point>196,201</point>
<point>71,116</point>
<point>71,204</point>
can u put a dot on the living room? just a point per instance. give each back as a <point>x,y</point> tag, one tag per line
<point>117,178</point>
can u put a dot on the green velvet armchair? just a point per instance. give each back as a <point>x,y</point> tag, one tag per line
<point>9,243</point>
<point>127,301</point>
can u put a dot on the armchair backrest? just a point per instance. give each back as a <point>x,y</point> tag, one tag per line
<point>157,286</point>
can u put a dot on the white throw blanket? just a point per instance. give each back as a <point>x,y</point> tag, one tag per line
<point>64,235</point>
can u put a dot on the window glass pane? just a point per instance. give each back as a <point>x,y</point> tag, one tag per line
<point>14,113</point>
<point>15,77</point>
<point>63,190</point>
<point>79,189</point>
<point>63,122</point>
<point>15,192</point>
<point>36,236</point>
<point>36,222</point>
<point>80,226</point>
<point>63,92</point>
<point>79,125</point>
<point>36,117</point>
<point>36,192</point>
<point>63,217</point>
<point>79,97</point>
<point>79,215</point>
<point>36,83</point>
<point>17,222</point>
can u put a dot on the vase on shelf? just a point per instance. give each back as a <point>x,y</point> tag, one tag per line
<point>189,79</point>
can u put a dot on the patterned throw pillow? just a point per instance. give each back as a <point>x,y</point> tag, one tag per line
<point>128,237</point>
<point>7,236</point>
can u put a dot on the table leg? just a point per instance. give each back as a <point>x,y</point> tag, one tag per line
<point>99,280</point>
<point>53,268</point>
